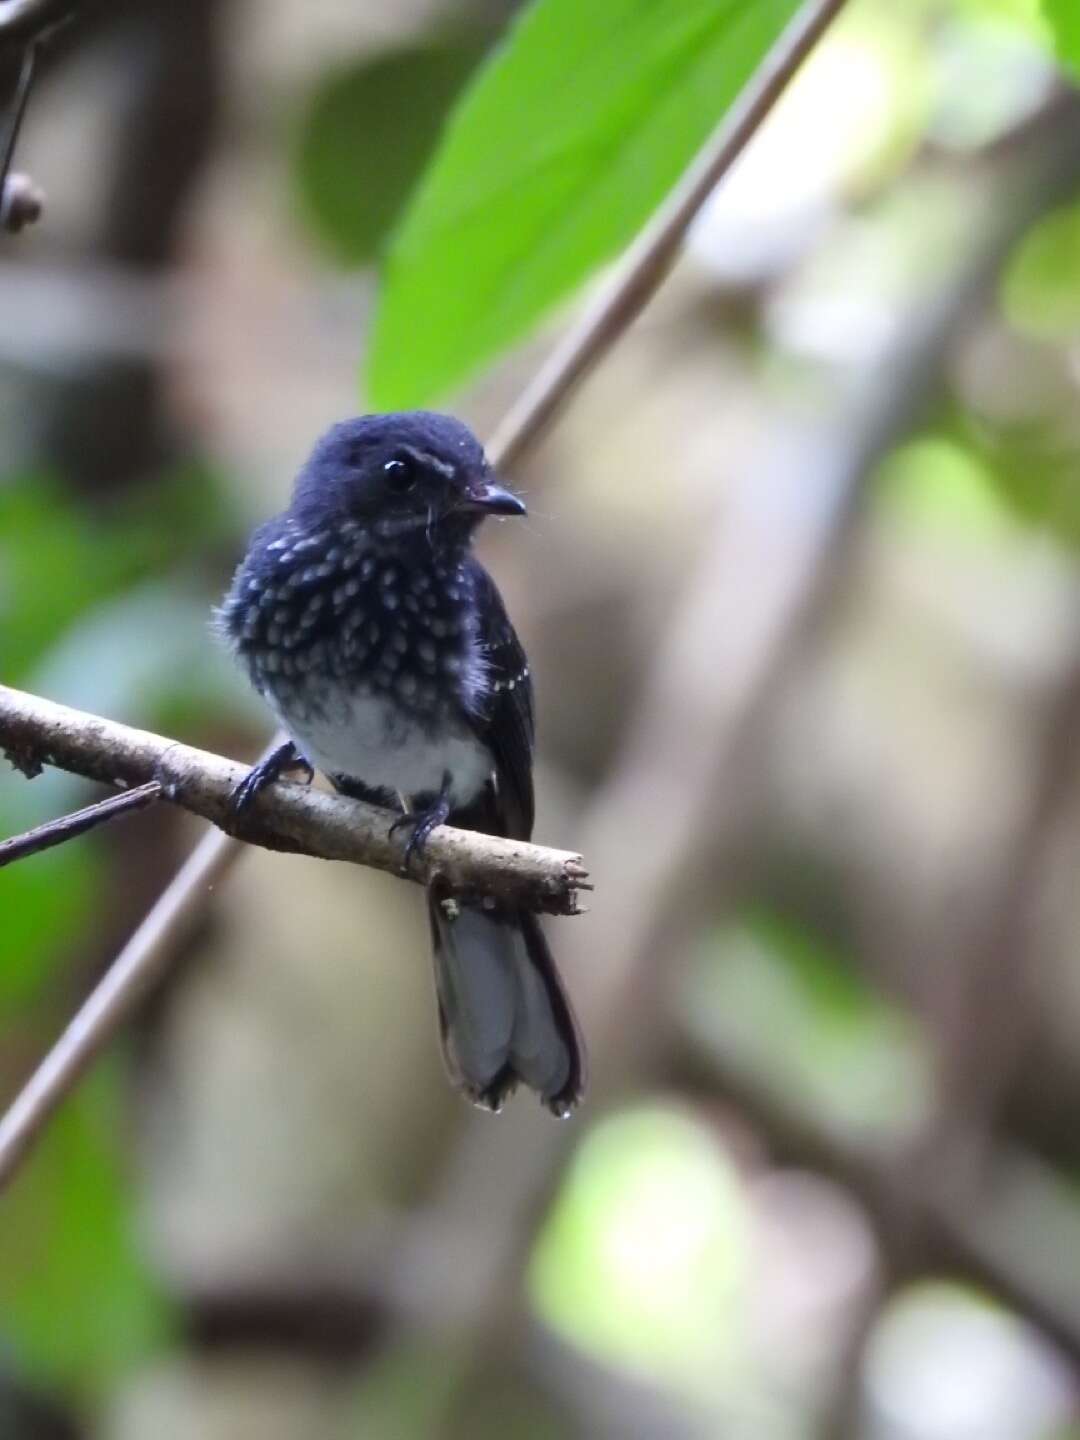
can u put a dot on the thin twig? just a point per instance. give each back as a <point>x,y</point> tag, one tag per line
<point>18,110</point>
<point>140,965</point>
<point>58,832</point>
<point>34,731</point>
<point>638,279</point>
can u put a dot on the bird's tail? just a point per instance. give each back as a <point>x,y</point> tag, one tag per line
<point>503,1013</point>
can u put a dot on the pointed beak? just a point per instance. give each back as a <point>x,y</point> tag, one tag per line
<point>492,499</point>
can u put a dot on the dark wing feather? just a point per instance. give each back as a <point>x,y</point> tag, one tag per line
<point>505,723</point>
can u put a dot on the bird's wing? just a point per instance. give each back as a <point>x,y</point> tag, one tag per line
<point>505,722</point>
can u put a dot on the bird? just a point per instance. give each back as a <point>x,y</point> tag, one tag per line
<point>382,645</point>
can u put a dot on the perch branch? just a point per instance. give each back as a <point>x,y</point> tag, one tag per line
<point>56,832</point>
<point>34,732</point>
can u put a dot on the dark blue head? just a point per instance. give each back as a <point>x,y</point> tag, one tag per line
<point>399,472</point>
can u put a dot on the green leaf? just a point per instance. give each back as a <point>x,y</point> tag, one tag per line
<point>1063,17</point>
<point>936,483</point>
<point>76,1305</point>
<point>58,558</point>
<point>1034,468</point>
<point>564,144</point>
<point>365,136</point>
<point>146,657</point>
<point>1041,288</point>
<point>642,1260</point>
<point>782,1005</point>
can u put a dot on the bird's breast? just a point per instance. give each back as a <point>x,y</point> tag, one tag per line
<point>369,657</point>
<point>368,737</point>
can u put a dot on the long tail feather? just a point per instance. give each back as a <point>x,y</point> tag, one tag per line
<point>503,1013</point>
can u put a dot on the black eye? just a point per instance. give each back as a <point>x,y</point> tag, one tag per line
<point>399,475</point>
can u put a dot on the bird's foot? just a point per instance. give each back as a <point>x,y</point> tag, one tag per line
<point>420,823</point>
<point>285,757</point>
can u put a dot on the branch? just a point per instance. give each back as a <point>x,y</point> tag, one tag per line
<point>18,106</point>
<point>143,962</point>
<point>57,832</point>
<point>289,817</point>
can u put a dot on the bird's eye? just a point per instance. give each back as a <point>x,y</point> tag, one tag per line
<point>399,475</point>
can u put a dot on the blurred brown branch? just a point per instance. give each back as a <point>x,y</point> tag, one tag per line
<point>67,827</point>
<point>290,817</point>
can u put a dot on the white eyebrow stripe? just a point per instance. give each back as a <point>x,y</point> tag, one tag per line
<point>422,457</point>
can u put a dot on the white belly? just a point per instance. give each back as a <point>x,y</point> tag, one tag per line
<point>367,741</point>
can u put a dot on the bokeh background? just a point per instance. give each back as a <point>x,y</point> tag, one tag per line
<point>800,585</point>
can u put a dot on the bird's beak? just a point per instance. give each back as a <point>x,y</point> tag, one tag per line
<point>493,500</point>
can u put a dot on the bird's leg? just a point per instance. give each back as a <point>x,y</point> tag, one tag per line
<point>285,757</point>
<point>422,822</point>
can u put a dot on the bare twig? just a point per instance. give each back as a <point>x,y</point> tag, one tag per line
<point>18,110</point>
<point>287,817</point>
<point>637,281</point>
<point>139,966</point>
<point>57,832</point>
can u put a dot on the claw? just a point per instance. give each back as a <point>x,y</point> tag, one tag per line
<point>422,822</point>
<point>285,757</point>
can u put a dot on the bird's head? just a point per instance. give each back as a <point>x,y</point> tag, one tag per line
<point>399,473</point>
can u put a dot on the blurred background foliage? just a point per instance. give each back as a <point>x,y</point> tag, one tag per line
<point>267,1216</point>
